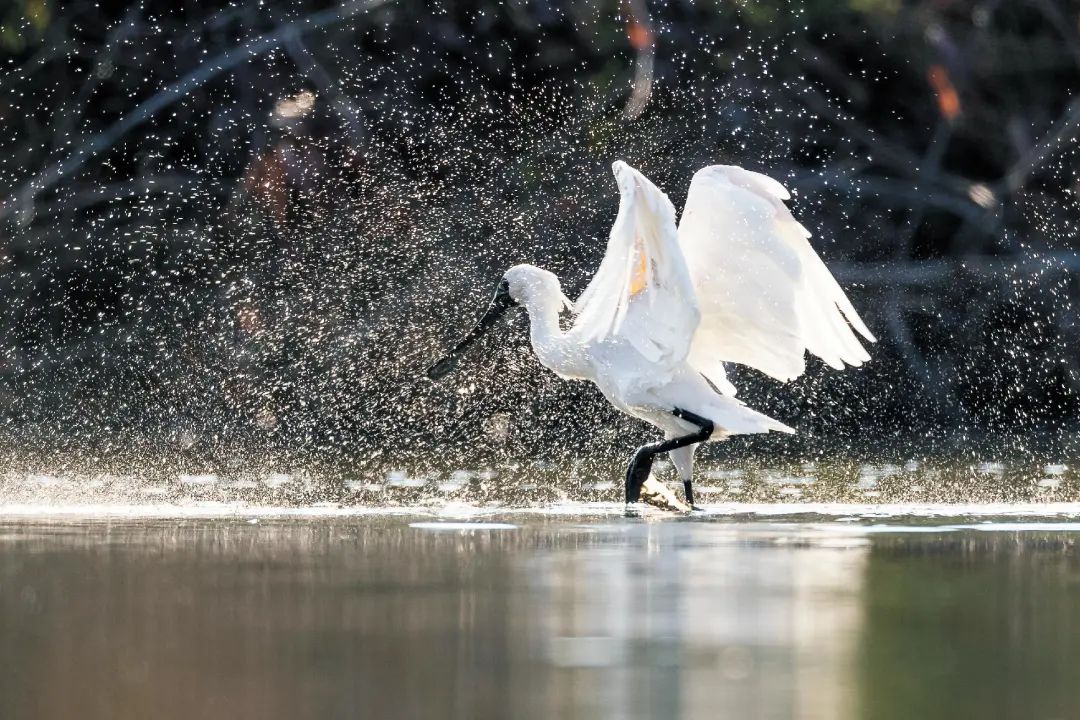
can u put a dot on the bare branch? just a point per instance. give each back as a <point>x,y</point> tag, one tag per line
<point>1063,130</point>
<point>942,271</point>
<point>141,186</point>
<point>887,153</point>
<point>899,191</point>
<point>642,40</point>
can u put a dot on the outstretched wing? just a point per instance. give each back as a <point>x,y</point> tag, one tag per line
<point>765,295</point>
<point>642,291</point>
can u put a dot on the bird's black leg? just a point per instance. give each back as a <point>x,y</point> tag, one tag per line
<point>638,471</point>
<point>641,463</point>
<point>688,488</point>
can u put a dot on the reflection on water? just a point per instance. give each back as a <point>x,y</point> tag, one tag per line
<point>397,617</point>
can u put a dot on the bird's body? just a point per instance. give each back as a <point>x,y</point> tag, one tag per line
<point>637,385</point>
<point>735,281</point>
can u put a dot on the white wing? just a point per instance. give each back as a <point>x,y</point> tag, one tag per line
<point>765,295</point>
<point>642,291</point>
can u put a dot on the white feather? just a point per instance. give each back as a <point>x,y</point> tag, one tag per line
<point>658,321</point>
<point>764,296</point>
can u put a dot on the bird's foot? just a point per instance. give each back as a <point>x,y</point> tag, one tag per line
<point>659,495</point>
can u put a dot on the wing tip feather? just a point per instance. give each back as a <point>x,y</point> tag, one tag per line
<point>741,176</point>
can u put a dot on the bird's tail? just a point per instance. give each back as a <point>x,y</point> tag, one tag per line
<point>731,417</point>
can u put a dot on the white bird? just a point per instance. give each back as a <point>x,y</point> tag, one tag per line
<point>736,281</point>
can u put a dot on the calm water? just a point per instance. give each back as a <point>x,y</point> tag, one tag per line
<point>573,613</point>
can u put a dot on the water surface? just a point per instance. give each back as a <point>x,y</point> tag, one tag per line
<point>572,611</point>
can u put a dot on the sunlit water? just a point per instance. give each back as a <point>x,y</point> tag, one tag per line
<point>540,484</point>
<point>570,610</point>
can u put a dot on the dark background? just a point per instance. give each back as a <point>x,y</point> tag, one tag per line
<point>241,230</point>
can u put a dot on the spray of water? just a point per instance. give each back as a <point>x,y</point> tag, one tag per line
<point>224,273</point>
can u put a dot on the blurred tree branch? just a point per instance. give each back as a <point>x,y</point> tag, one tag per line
<point>642,39</point>
<point>1064,130</point>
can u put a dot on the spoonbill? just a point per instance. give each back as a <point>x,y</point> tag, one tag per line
<point>735,281</point>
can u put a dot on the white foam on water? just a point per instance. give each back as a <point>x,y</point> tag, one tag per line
<point>860,518</point>
<point>275,480</point>
<point>198,479</point>
<point>457,526</point>
<point>207,510</point>
<point>1022,527</point>
<point>901,510</point>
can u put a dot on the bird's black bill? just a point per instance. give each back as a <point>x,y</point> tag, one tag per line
<point>499,305</point>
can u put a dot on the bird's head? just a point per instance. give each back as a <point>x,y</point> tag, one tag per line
<point>522,285</point>
<point>626,176</point>
<point>533,287</point>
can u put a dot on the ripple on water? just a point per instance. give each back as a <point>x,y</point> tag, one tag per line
<point>462,526</point>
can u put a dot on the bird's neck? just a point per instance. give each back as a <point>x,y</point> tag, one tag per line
<point>549,342</point>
